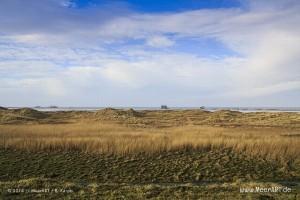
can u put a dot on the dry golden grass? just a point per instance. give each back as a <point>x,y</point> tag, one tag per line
<point>271,143</point>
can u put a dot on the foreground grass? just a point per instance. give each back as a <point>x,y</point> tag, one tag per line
<point>31,189</point>
<point>174,167</point>
<point>169,175</point>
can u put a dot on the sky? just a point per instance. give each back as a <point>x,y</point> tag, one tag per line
<point>148,53</point>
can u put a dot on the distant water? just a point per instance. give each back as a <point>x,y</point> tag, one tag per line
<point>241,109</point>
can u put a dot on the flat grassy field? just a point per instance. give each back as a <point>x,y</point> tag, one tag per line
<point>127,154</point>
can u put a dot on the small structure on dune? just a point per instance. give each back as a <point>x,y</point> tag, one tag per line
<point>163,107</point>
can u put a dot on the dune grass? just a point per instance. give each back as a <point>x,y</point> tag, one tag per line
<point>271,143</point>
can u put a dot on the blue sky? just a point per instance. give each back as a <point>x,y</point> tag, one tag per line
<point>161,6</point>
<point>148,53</point>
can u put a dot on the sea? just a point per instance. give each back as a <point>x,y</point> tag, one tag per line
<point>240,109</point>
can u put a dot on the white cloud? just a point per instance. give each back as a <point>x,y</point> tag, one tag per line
<point>159,41</point>
<point>80,52</point>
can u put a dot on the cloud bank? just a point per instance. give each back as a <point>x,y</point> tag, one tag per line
<point>53,53</point>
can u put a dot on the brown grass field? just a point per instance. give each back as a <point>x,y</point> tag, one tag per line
<point>272,143</point>
<point>249,140</point>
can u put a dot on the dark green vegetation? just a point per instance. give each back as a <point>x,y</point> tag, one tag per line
<point>169,175</point>
<point>170,167</point>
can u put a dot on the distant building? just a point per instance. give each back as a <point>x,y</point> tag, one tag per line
<point>163,107</point>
